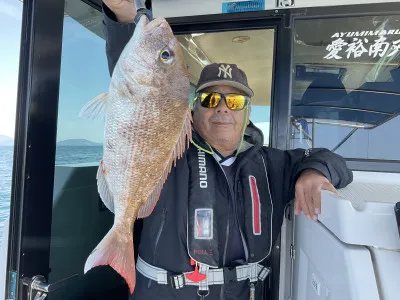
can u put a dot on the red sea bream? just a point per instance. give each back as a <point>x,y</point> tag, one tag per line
<point>147,128</point>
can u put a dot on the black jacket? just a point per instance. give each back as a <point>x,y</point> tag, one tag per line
<point>164,234</point>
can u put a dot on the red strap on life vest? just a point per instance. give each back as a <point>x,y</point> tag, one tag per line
<point>195,276</point>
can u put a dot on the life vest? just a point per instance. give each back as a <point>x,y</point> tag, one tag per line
<point>207,196</point>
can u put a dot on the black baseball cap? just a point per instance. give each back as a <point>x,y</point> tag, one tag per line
<point>224,74</point>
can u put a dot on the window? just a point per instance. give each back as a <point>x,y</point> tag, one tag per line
<point>10,35</point>
<point>79,219</point>
<point>346,86</point>
<point>84,75</point>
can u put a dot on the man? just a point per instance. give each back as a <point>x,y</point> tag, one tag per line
<point>221,209</point>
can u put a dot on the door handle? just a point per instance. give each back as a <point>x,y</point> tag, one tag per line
<point>38,283</point>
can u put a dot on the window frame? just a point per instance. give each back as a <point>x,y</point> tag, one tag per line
<point>34,146</point>
<point>279,20</point>
<point>345,11</point>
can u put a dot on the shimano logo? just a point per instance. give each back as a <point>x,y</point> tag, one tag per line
<point>202,169</point>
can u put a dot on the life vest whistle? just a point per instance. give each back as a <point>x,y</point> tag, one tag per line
<point>195,276</point>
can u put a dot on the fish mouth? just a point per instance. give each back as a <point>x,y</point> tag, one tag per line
<point>156,24</point>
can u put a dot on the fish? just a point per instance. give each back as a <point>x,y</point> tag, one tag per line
<point>147,128</point>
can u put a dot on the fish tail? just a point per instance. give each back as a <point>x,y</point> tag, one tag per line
<point>117,252</point>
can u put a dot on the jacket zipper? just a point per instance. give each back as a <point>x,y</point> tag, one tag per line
<point>164,213</point>
<point>245,248</point>
<point>232,192</point>
<point>164,216</point>
<point>227,226</point>
<point>222,291</point>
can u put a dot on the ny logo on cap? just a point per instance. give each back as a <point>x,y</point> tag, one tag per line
<point>227,70</point>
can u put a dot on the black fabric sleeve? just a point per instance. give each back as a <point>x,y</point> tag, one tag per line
<point>284,168</point>
<point>116,35</point>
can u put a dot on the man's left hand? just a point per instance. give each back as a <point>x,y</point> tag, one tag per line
<point>308,193</point>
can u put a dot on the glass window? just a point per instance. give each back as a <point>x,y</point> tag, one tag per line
<point>10,33</point>
<point>10,37</point>
<point>250,50</point>
<point>79,220</point>
<point>84,75</point>
<point>346,86</point>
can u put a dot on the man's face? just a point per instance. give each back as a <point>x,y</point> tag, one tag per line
<point>221,127</point>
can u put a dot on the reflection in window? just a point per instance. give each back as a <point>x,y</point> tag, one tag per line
<point>84,75</point>
<point>346,86</point>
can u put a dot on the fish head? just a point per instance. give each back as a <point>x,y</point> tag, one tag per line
<point>154,62</point>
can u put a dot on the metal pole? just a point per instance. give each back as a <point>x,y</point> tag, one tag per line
<point>345,139</point>
<point>313,134</point>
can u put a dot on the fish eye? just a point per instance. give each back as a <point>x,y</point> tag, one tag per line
<point>165,55</point>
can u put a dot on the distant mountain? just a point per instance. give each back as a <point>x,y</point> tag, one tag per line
<point>6,141</point>
<point>77,142</point>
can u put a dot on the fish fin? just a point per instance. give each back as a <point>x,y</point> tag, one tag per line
<point>116,252</point>
<point>103,189</point>
<point>185,135</point>
<point>148,207</point>
<point>95,108</point>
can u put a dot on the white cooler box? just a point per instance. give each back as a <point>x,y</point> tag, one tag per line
<point>353,251</point>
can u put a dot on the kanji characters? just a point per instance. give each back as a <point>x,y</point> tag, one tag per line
<point>335,47</point>
<point>359,46</point>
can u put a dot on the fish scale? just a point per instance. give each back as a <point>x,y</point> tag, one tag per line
<point>147,128</point>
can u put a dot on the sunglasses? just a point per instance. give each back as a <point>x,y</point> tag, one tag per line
<point>233,101</point>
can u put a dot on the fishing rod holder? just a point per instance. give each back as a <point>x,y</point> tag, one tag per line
<point>142,10</point>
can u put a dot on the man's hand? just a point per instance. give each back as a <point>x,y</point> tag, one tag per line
<point>308,193</point>
<point>124,10</point>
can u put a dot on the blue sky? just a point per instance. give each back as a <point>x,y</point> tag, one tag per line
<point>10,32</point>
<point>84,74</point>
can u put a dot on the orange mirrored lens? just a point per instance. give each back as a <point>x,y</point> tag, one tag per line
<point>233,101</point>
<point>210,100</point>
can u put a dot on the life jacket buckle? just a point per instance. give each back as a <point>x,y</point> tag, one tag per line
<point>230,274</point>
